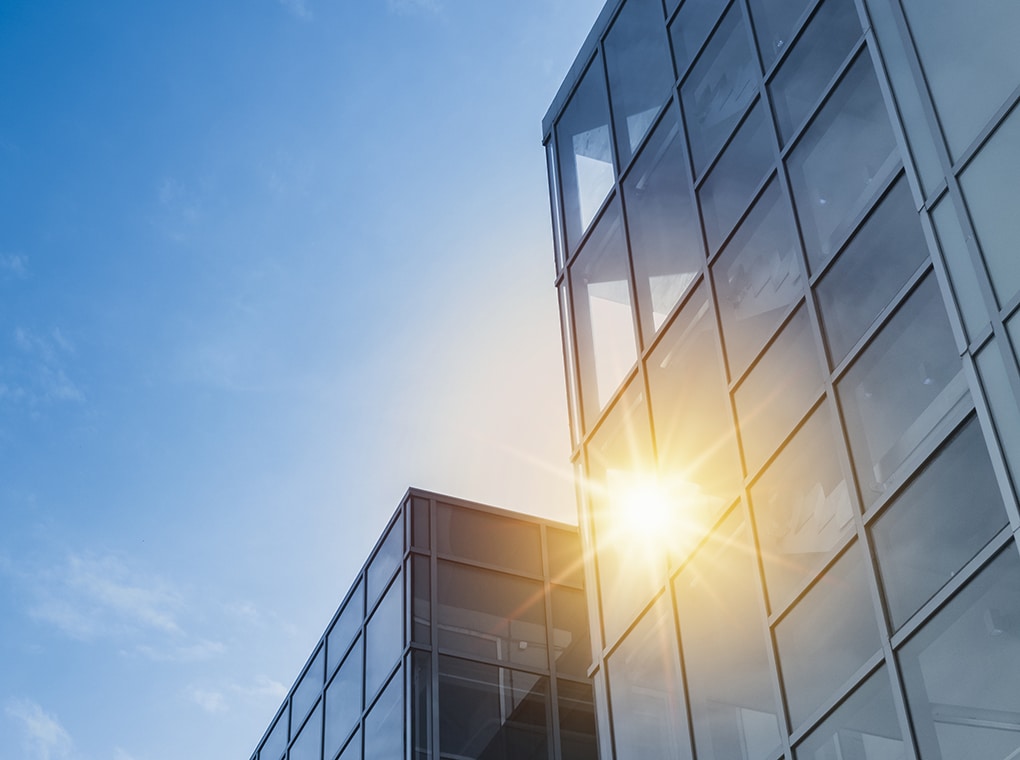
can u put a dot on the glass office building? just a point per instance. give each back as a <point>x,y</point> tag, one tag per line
<point>465,635</point>
<point>787,242</point>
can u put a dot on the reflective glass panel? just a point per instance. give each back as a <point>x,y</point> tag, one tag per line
<point>728,190</point>
<point>665,237</point>
<point>491,712</point>
<point>962,669</point>
<point>778,391</point>
<point>420,523</point>
<point>637,59</point>
<point>343,701</point>
<point>870,271</point>
<point>491,539</point>
<point>276,742</point>
<point>939,522</point>
<point>801,508</point>
<point>720,87</point>
<point>827,636</point>
<point>566,562</point>
<point>991,366</point>
<point>585,153</point>
<point>645,692</point>
<point>758,277</point>
<point>577,720</point>
<point>962,270</point>
<point>346,627</point>
<point>722,630</point>
<point>491,615</point>
<point>307,691</point>
<point>384,724</point>
<point>807,71</point>
<point>864,727</point>
<point>840,161</point>
<point>353,749</point>
<point>308,745</point>
<point>385,562</point>
<point>570,638</point>
<point>603,314</point>
<point>421,600</point>
<point>691,28</point>
<point>420,708</point>
<point>384,639</point>
<point>775,22</point>
<point>900,387</point>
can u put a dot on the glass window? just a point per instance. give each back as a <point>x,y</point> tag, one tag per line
<point>801,508</point>
<point>577,720</point>
<point>722,631</point>
<point>719,88</point>
<point>900,387</point>
<point>567,347</point>
<point>640,75</point>
<point>758,277</point>
<point>420,523</point>
<point>487,538</point>
<point>570,638</point>
<point>991,366</point>
<point>807,71</point>
<point>645,691</point>
<point>699,465</point>
<point>778,391</point>
<point>385,562</point>
<point>308,689</point>
<point>421,600</point>
<point>346,627</point>
<point>585,153</point>
<point>968,51</point>
<point>775,22</point>
<point>864,727</point>
<point>384,724</point>
<point>827,636</point>
<point>962,669</point>
<point>554,203</point>
<point>308,745</point>
<point>665,236</point>
<point>276,742</point>
<point>343,701</point>
<point>731,185</point>
<point>939,522</point>
<point>961,266</point>
<point>384,639</point>
<point>491,615</point>
<point>603,314</point>
<point>566,561</point>
<point>691,28</point>
<point>991,182</point>
<point>353,749</point>
<point>877,263</point>
<point>491,712</point>
<point>841,160</point>
<point>420,716</point>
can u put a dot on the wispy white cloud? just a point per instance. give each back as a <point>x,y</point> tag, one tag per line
<point>193,652</point>
<point>413,6</point>
<point>14,265</point>
<point>178,209</point>
<point>42,736</point>
<point>122,754</point>
<point>40,374</point>
<point>298,8</point>
<point>209,700</point>
<point>262,686</point>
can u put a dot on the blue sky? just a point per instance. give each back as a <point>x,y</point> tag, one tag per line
<point>263,265</point>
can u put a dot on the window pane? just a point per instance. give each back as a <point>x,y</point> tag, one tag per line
<point>570,638</point>
<point>722,631</point>
<point>585,153</point>
<point>308,690</point>
<point>691,28</point>
<point>566,562</point>
<point>898,390</point>
<point>841,160</point>
<point>420,523</point>
<point>962,669</point>
<point>778,391</point>
<point>384,639</point>
<point>757,278</point>
<point>491,615</point>
<point>827,636</point>
<point>962,270</point>
<point>720,87</point>
<point>353,749</point>
<point>491,712</point>
<point>942,519</point>
<point>421,600</point>
<point>863,728</point>
<point>308,745</point>
<point>276,742</point>
<point>801,508</point>
<point>603,315</point>
<point>775,22</point>
<point>991,366</point>
<point>384,725</point>
<point>665,236</point>
<point>343,701</point>
<point>491,539</point>
<point>420,709</point>
<point>644,689</point>
<point>386,561</point>
<point>879,260</point>
<point>577,721</point>
<point>640,74</point>
<point>728,190</point>
<point>346,626</point>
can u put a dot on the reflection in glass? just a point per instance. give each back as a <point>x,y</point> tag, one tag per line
<point>665,236</point>
<point>939,522</point>
<point>644,690</point>
<point>728,190</point>
<point>691,28</point>
<point>384,724</point>
<point>962,669</point>
<point>827,636</point>
<point>386,561</point>
<point>637,59</point>
<point>901,386</point>
<point>801,508</point>
<point>870,271</point>
<point>775,22</point>
<point>276,742</point>
<point>421,600</point>
<point>571,641</point>
<point>384,639</point>
<point>346,627</point>
<point>491,539</point>
<point>603,315</point>
<point>864,727</point>
<point>565,563</point>
<point>307,691</point>
<point>729,686</point>
<point>840,161</point>
<point>758,277</point>
<point>778,391</point>
<point>720,87</point>
<point>353,749</point>
<point>491,615</point>
<point>343,701</point>
<point>420,523</point>
<point>577,720</point>
<point>420,664</point>
<point>308,744</point>
<point>491,713</point>
<point>991,367</point>
<point>962,271</point>
<point>585,153</point>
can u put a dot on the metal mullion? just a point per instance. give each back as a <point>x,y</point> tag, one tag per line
<point>717,156</point>
<point>587,231</point>
<point>611,648</point>
<point>990,127</point>
<point>627,168</point>
<point>841,547</point>
<point>500,569</point>
<point>433,628</point>
<point>492,662</point>
<point>554,705</point>
<point>740,379</point>
<point>682,76</point>
<point>570,375</point>
<point>806,17</point>
<point>678,649</point>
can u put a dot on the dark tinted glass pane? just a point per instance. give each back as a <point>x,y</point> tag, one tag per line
<point>939,522</point>
<point>420,523</point>
<point>577,721</point>
<point>637,59</point>
<point>570,639</point>
<point>421,606</point>
<point>566,562</point>
<point>691,28</point>
<point>384,639</point>
<point>386,561</point>
<point>775,22</point>
<point>307,691</point>
<point>343,700</point>
<point>489,538</point>
<point>421,705</point>
<point>384,724</point>
<point>308,745</point>
<point>346,627</point>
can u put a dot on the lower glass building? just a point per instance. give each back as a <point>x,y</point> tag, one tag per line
<point>465,635</point>
<point>786,242</point>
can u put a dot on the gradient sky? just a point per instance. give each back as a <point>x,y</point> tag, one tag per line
<point>263,265</point>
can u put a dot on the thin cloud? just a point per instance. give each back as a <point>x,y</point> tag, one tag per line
<point>197,652</point>
<point>40,375</point>
<point>212,702</point>
<point>14,265</point>
<point>42,736</point>
<point>262,686</point>
<point>404,7</point>
<point>297,8</point>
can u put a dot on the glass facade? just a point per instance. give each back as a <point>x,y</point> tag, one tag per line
<point>465,635</point>
<point>792,328</point>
